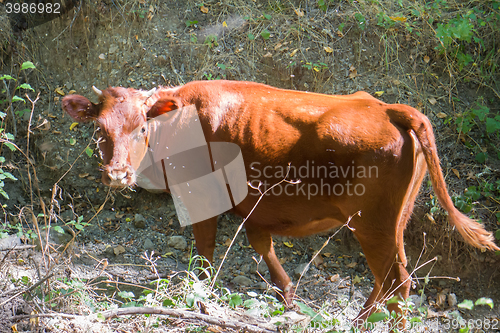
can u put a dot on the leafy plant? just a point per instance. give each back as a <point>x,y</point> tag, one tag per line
<point>265,34</point>
<point>10,99</point>
<point>211,41</point>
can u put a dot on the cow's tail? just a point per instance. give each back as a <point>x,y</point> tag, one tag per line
<point>472,231</point>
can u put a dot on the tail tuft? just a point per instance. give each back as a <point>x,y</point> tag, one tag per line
<point>473,232</point>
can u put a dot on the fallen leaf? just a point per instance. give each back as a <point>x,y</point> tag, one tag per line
<point>73,125</point>
<point>327,254</point>
<point>71,92</point>
<point>299,12</point>
<point>441,115</point>
<point>119,250</point>
<point>224,24</point>
<point>227,242</point>
<point>268,55</point>
<point>352,264</point>
<point>398,18</point>
<point>328,49</point>
<point>169,254</point>
<point>60,91</point>
<point>282,261</point>
<point>353,72</point>
<point>470,175</point>
<point>288,244</point>
<point>432,100</point>
<point>244,246</point>
<point>430,217</point>
<point>294,52</point>
<point>426,59</point>
<point>356,280</point>
<point>334,278</point>
<point>318,260</point>
<point>277,46</point>
<point>83,175</point>
<point>379,93</point>
<point>204,9</point>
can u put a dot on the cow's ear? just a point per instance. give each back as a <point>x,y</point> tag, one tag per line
<point>80,108</point>
<point>164,105</point>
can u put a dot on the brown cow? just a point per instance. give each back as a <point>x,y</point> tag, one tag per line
<point>364,155</point>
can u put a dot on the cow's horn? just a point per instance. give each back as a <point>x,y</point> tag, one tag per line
<point>97,91</point>
<point>150,93</point>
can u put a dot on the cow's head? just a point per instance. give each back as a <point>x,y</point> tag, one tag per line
<point>121,116</point>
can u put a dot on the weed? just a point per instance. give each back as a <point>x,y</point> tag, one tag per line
<point>265,34</point>
<point>191,23</point>
<point>10,99</point>
<point>211,41</point>
<point>317,67</point>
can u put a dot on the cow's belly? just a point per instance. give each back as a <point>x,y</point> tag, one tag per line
<point>292,216</point>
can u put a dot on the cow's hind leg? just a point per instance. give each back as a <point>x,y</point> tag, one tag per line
<point>384,247</point>
<point>204,234</point>
<point>262,242</point>
<point>391,277</point>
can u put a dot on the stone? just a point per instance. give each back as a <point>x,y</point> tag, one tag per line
<point>242,280</point>
<point>177,242</point>
<point>452,299</point>
<point>300,268</point>
<point>148,244</point>
<point>139,221</point>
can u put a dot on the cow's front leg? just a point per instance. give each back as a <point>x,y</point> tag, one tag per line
<point>262,242</point>
<point>204,235</point>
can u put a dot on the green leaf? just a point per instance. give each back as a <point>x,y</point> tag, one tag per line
<point>251,36</point>
<point>88,151</point>
<point>126,294</point>
<point>376,317</point>
<point>168,302</point>
<point>25,86</point>
<point>235,300</point>
<point>59,229</point>
<point>497,233</point>
<point>492,125</point>
<point>7,77</point>
<point>10,145</point>
<point>72,141</point>
<point>26,65</point>
<point>481,157</point>
<point>393,300</point>
<point>267,16</point>
<point>485,301</point>
<point>466,304</point>
<point>17,99</point>
<point>308,311</point>
<point>221,66</point>
<point>251,303</point>
<point>265,34</point>
<point>9,175</point>
<point>100,317</point>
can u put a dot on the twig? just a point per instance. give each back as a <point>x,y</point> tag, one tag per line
<point>257,328</point>
<point>9,107</point>
<point>20,247</point>
<point>28,290</point>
